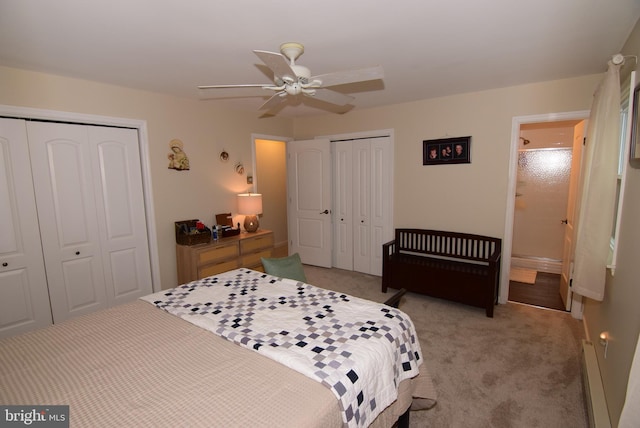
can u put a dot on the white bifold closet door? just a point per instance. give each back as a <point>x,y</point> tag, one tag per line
<point>73,235</point>
<point>362,203</point>
<point>88,188</point>
<point>24,298</point>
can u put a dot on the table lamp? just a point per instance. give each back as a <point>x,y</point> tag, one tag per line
<point>250,205</point>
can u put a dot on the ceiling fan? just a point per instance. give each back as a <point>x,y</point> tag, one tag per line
<point>290,79</point>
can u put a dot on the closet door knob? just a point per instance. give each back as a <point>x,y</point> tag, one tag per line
<point>77,253</point>
<point>5,264</point>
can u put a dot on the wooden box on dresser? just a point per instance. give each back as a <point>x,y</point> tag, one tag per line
<point>244,250</point>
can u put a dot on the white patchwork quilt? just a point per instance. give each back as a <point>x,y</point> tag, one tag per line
<point>359,349</point>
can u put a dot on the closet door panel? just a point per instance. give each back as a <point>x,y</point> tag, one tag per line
<point>63,182</point>
<point>381,201</point>
<point>342,205</point>
<point>363,202</point>
<point>24,298</point>
<point>77,273</point>
<point>121,213</point>
<point>361,206</point>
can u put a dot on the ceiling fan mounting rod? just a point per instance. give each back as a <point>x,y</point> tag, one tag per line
<point>292,50</point>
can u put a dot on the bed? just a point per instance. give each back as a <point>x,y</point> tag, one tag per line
<point>137,364</point>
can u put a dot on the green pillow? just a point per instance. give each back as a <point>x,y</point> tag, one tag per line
<point>285,267</point>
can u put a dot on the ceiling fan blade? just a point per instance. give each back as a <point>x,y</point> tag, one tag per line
<point>249,85</point>
<point>350,76</point>
<point>276,99</point>
<point>231,93</point>
<point>330,96</point>
<point>278,64</point>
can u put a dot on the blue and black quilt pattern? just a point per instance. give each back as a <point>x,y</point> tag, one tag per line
<point>359,349</point>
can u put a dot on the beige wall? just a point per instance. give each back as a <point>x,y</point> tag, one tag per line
<point>618,313</point>
<point>466,197</point>
<point>209,187</point>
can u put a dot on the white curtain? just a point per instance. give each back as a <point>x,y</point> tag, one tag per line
<point>630,416</point>
<point>597,193</point>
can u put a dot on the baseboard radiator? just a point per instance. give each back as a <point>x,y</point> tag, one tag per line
<point>595,400</point>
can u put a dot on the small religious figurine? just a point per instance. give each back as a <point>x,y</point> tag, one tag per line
<point>178,158</point>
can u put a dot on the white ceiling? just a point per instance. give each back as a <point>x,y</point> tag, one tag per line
<point>428,48</point>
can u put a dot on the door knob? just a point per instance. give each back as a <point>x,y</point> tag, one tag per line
<point>77,253</point>
<point>5,264</point>
<point>565,221</point>
<point>325,212</point>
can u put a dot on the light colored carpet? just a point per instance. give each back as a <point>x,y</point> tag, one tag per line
<point>527,276</point>
<point>518,369</point>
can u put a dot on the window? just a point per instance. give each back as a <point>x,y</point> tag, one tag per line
<point>626,110</point>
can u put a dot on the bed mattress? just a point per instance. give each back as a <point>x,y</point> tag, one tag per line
<point>136,365</point>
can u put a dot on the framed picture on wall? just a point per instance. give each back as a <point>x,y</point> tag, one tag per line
<point>446,151</point>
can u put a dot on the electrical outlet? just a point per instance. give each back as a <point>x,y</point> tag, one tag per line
<point>249,179</point>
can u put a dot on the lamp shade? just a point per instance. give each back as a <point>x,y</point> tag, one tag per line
<point>250,203</point>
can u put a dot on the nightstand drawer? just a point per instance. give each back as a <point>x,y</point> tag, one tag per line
<point>232,252</point>
<point>217,268</point>
<point>253,259</point>
<point>257,243</point>
<point>218,253</point>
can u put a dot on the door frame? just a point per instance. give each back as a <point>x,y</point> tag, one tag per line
<point>89,119</point>
<point>255,137</point>
<point>282,243</point>
<point>507,240</point>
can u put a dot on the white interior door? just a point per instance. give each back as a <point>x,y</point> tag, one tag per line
<point>342,155</point>
<point>363,198</point>
<point>24,298</point>
<point>361,206</point>
<point>64,188</point>
<point>381,195</point>
<point>89,190</point>
<point>569,232</point>
<point>309,194</point>
<point>120,209</point>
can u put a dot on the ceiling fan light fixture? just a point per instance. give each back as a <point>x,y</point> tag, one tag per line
<point>294,89</point>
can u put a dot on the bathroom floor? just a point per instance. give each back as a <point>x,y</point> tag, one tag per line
<point>545,292</point>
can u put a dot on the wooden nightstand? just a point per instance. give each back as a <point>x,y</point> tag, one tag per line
<point>202,260</point>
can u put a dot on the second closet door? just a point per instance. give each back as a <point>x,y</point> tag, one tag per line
<point>362,203</point>
<point>91,215</point>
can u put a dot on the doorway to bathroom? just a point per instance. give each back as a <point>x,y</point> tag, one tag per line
<point>548,164</point>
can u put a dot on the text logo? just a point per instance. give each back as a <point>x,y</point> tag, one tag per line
<point>34,416</point>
